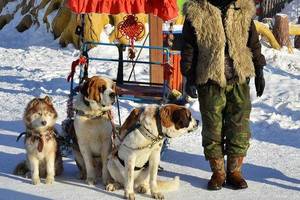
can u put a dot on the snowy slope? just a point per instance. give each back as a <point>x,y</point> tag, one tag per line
<point>32,64</point>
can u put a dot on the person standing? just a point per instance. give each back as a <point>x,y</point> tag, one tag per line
<point>221,52</point>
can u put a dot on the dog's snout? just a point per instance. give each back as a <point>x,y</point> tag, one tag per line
<point>197,122</point>
<point>44,123</point>
<point>112,95</point>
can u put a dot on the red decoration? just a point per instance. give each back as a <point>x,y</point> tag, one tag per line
<point>80,61</point>
<point>131,29</point>
<point>165,9</point>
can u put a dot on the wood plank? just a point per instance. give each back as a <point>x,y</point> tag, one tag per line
<point>140,91</point>
<point>156,39</point>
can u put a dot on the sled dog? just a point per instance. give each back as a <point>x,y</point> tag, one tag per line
<point>93,128</point>
<point>43,154</point>
<point>135,163</point>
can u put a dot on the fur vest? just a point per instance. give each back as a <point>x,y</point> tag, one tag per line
<point>212,35</point>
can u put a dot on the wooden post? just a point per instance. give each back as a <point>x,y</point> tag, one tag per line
<point>156,39</point>
<point>297,38</point>
<point>281,29</point>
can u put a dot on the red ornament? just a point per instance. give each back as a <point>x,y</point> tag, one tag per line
<point>131,29</point>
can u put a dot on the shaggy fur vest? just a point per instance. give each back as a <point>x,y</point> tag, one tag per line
<point>212,33</point>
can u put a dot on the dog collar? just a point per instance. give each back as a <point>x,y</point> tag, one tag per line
<point>34,135</point>
<point>83,114</point>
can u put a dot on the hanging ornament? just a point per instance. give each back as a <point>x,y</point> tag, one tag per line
<point>132,30</point>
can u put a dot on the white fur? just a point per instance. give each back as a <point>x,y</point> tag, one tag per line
<point>35,158</point>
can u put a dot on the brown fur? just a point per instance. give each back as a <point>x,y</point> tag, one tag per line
<point>207,21</point>
<point>181,117</point>
<point>130,121</point>
<point>93,87</point>
<point>173,114</point>
<point>37,104</point>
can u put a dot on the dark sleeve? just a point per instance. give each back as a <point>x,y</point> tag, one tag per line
<point>255,46</point>
<point>189,51</point>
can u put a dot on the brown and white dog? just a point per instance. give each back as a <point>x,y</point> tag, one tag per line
<point>136,161</point>
<point>43,155</point>
<point>93,127</point>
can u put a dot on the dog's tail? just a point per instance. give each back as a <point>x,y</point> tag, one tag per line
<point>168,186</point>
<point>21,169</point>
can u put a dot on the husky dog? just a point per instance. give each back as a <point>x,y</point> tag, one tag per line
<point>135,163</point>
<point>93,128</point>
<point>43,155</point>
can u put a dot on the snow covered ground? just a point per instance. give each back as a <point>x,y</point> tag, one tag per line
<point>32,64</point>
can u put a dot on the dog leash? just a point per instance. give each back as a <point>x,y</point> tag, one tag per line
<point>20,135</point>
<point>114,131</point>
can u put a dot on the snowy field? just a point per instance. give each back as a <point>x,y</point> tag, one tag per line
<point>32,65</point>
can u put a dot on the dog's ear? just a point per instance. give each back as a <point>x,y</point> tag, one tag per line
<point>181,118</point>
<point>165,116</point>
<point>84,88</point>
<point>130,121</point>
<point>89,89</point>
<point>48,100</point>
<point>33,103</point>
<point>92,88</point>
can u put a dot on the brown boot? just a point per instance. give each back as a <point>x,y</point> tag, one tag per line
<point>234,175</point>
<point>218,177</point>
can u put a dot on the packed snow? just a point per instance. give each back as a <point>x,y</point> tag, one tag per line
<point>34,65</point>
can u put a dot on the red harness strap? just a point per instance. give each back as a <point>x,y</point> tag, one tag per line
<point>82,60</point>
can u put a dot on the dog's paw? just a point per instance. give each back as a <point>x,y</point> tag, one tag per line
<point>49,180</point>
<point>142,189</point>
<point>36,181</point>
<point>158,195</point>
<point>91,181</point>
<point>110,187</point>
<point>129,196</point>
<point>113,187</point>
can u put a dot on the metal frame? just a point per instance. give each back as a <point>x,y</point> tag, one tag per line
<point>121,61</point>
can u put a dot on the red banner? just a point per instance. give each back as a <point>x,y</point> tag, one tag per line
<point>165,9</point>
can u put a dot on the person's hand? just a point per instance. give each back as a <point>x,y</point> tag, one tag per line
<point>259,82</point>
<point>191,90</point>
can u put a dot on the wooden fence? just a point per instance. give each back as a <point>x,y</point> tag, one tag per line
<point>269,8</point>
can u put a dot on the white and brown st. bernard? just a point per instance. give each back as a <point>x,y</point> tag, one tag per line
<point>134,165</point>
<point>93,127</point>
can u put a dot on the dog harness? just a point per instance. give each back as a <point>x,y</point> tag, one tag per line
<point>83,114</point>
<point>147,134</point>
<point>33,136</point>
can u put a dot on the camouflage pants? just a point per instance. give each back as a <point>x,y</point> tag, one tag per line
<point>225,116</point>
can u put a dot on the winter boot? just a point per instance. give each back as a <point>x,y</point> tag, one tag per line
<point>234,175</point>
<point>218,177</point>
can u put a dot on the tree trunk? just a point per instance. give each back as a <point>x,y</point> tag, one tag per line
<point>297,39</point>
<point>281,29</point>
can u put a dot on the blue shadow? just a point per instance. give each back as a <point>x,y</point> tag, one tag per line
<point>251,172</point>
